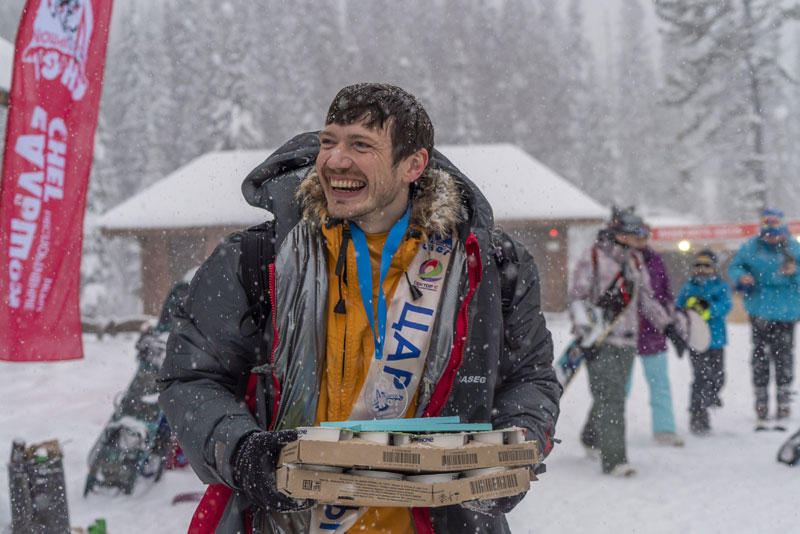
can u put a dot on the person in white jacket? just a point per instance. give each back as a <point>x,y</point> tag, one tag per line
<point>612,280</point>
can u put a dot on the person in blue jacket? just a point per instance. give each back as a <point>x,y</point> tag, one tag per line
<point>765,271</point>
<point>710,296</point>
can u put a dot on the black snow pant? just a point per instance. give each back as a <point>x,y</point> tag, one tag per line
<point>772,341</point>
<point>709,377</point>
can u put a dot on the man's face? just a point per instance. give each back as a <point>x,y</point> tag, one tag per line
<point>358,178</point>
<point>773,239</point>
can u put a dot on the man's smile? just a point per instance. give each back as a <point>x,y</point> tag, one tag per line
<point>345,184</point>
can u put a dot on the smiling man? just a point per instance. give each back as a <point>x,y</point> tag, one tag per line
<point>384,292</point>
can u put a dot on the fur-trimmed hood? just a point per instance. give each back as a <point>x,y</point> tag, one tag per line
<point>436,205</point>
<point>287,185</point>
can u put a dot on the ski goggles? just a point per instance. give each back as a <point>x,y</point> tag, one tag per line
<point>772,225</point>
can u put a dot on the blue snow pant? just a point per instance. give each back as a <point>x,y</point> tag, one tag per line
<point>655,372</point>
<point>605,427</point>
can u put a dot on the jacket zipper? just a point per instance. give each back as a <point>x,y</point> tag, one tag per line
<point>275,383</point>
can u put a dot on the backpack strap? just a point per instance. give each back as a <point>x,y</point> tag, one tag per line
<point>257,253</point>
<point>504,254</point>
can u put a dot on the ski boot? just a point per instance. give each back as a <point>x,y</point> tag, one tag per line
<point>668,439</point>
<point>762,404</point>
<point>699,424</point>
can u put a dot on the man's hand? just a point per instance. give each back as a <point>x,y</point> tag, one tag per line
<point>494,507</point>
<point>789,268</point>
<point>746,280</point>
<point>254,470</point>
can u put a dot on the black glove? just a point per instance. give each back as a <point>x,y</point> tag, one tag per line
<point>671,333</point>
<point>254,470</point>
<point>494,507</point>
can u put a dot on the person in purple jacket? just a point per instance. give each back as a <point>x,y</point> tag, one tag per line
<point>652,349</point>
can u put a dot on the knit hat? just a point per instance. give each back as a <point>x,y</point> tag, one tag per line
<point>705,258</point>
<point>772,223</point>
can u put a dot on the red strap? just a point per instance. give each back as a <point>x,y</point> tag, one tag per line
<point>445,385</point>
<point>210,510</point>
<point>548,442</point>
<point>625,295</point>
<point>422,520</point>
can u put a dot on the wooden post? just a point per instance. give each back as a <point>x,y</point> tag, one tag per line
<point>155,271</point>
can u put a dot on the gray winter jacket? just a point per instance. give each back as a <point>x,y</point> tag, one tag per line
<point>484,365</point>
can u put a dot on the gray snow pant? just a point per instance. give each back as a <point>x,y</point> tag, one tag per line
<point>772,341</point>
<point>608,370</point>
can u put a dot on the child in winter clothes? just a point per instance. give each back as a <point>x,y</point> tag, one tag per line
<point>709,295</point>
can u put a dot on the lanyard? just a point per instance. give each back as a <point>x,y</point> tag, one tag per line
<point>365,275</point>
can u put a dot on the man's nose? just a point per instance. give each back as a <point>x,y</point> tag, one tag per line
<point>339,158</point>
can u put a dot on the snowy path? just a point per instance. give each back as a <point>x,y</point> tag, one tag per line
<point>728,482</point>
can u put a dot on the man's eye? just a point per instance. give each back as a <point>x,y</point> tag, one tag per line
<point>326,142</point>
<point>361,146</point>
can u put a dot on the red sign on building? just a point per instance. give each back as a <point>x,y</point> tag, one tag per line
<point>713,232</point>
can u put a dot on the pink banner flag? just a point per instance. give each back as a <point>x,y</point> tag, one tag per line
<point>55,93</point>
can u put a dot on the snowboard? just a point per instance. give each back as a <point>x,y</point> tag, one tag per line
<point>698,333</point>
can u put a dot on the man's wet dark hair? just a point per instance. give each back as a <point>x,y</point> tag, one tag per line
<point>410,128</point>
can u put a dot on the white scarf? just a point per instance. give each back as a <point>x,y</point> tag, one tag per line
<point>392,381</point>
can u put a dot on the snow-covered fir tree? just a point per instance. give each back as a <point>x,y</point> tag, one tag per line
<point>728,73</point>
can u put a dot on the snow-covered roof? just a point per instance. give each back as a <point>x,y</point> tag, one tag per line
<point>520,187</point>
<point>6,63</point>
<point>206,191</point>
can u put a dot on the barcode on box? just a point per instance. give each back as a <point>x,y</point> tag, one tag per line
<point>308,485</point>
<point>497,483</point>
<point>463,458</point>
<point>516,456</point>
<point>400,457</point>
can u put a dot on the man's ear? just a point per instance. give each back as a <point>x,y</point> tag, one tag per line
<point>415,165</point>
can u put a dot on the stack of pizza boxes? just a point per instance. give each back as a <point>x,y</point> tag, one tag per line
<point>408,462</point>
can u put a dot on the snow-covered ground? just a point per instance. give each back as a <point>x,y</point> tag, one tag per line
<point>728,482</point>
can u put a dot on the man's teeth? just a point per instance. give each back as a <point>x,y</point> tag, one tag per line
<point>346,184</point>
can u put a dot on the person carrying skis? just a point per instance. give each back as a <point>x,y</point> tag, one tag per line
<point>765,271</point>
<point>390,294</point>
<point>709,295</point>
<point>611,279</point>
<point>652,349</point>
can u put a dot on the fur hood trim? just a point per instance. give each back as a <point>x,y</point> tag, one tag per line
<point>436,204</point>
